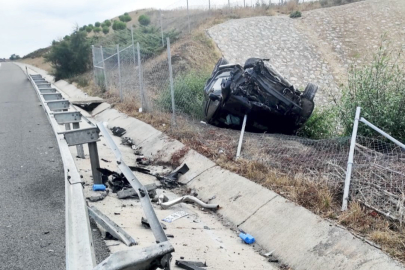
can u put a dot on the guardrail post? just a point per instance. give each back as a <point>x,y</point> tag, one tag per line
<point>350,160</point>
<point>79,148</point>
<point>169,59</point>
<point>119,72</point>
<point>95,163</point>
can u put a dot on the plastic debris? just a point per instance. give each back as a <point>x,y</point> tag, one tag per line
<point>247,238</point>
<point>99,187</point>
<point>118,131</point>
<point>175,216</point>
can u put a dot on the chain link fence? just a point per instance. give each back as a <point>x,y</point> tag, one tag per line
<point>167,80</point>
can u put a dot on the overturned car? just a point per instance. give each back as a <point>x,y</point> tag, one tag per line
<point>257,90</point>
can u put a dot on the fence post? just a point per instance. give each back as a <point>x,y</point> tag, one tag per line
<point>209,4</point>
<point>119,72</point>
<point>105,74</point>
<point>169,59</point>
<point>161,28</point>
<point>94,59</point>
<point>242,132</point>
<point>350,160</point>
<point>188,18</point>
<point>141,88</point>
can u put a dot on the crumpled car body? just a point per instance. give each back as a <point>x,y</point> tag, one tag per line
<point>257,90</point>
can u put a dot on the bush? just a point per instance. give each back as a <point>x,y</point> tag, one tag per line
<point>125,18</point>
<point>117,25</point>
<point>188,94</point>
<point>107,23</point>
<point>321,125</point>
<point>97,24</point>
<point>67,37</point>
<point>144,20</point>
<point>89,29</point>
<point>97,29</point>
<point>70,57</point>
<point>380,90</point>
<point>106,29</point>
<point>295,14</point>
<point>150,39</point>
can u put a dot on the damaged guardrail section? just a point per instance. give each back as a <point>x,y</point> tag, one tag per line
<point>79,242</point>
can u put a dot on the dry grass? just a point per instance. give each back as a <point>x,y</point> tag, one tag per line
<point>37,62</point>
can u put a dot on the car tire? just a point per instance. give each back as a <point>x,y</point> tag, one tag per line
<point>250,62</point>
<point>310,91</point>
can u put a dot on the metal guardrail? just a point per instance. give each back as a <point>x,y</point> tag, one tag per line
<point>79,242</point>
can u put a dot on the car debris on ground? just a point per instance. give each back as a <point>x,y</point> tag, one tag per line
<point>110,227</point>
<point>259,91</point>
<point>118,131</point>
<point>165,203</point>
<point>98,197</point>
<point>190,265</point>
<point>175,216</point>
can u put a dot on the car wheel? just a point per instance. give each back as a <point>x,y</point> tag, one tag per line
<point>310,91</point>
<point>250,62</point>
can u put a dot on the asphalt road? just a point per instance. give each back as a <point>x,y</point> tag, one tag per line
<point>32,190</point>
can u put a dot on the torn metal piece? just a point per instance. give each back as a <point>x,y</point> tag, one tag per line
<point>157,255</point>
<point>171,180</point>
<point>165,203</point>
<point>146,224</point>
<point>130,192</point>
<point>110,226</point>
<point>191,265</point>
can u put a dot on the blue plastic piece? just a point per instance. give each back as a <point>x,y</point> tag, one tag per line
<point>247,238</point>
<point>99,187</point>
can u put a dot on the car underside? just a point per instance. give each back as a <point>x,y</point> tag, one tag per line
<point>257,90</point>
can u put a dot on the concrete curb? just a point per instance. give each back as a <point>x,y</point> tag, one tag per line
<point>298,237</point>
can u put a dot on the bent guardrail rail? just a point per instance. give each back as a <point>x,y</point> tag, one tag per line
<point>79,242</point>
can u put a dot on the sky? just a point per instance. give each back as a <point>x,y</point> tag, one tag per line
<point>27,25</point>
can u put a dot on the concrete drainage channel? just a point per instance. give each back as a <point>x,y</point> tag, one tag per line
<point>292,234</point>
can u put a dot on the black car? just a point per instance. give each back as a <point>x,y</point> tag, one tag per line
<point>257,90</point>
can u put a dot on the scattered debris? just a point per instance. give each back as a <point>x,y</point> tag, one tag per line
<point>105,160</point>
<point>130,192</point>
<point>145,224</point>
<point>99,197</point>
<point>99,187</point>
<point>171,180</point>
<point>170,235</point>
<point>175,216</point>
<point>117,131</point>
<point>212,198</point>
<point>143,161</point>
<point>206,228</point>
<point>247,238</point>
<point>130,142</point>
<point>190,265</point>
<point>117,182</point>
<point>165,203</point>
<point>112,228</point>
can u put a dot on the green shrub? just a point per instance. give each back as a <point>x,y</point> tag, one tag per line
<point>89,29</point>
<point>106,29</point>
<point>90,25</point>
<point>97,24</point>
<point>100,81</point>
<point>107,23</point>
<point>295,14</point>
<point>321,125</point>
<point>188,94</point>
<point>102,25</point>
<point>70,57</point>
<point>117,25</point>
<point>14,57</point>
<point>97,29</point>
<point>379,89</point>
<point>144,20</point>
<point>125,18</point>
<point>67,37</point>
